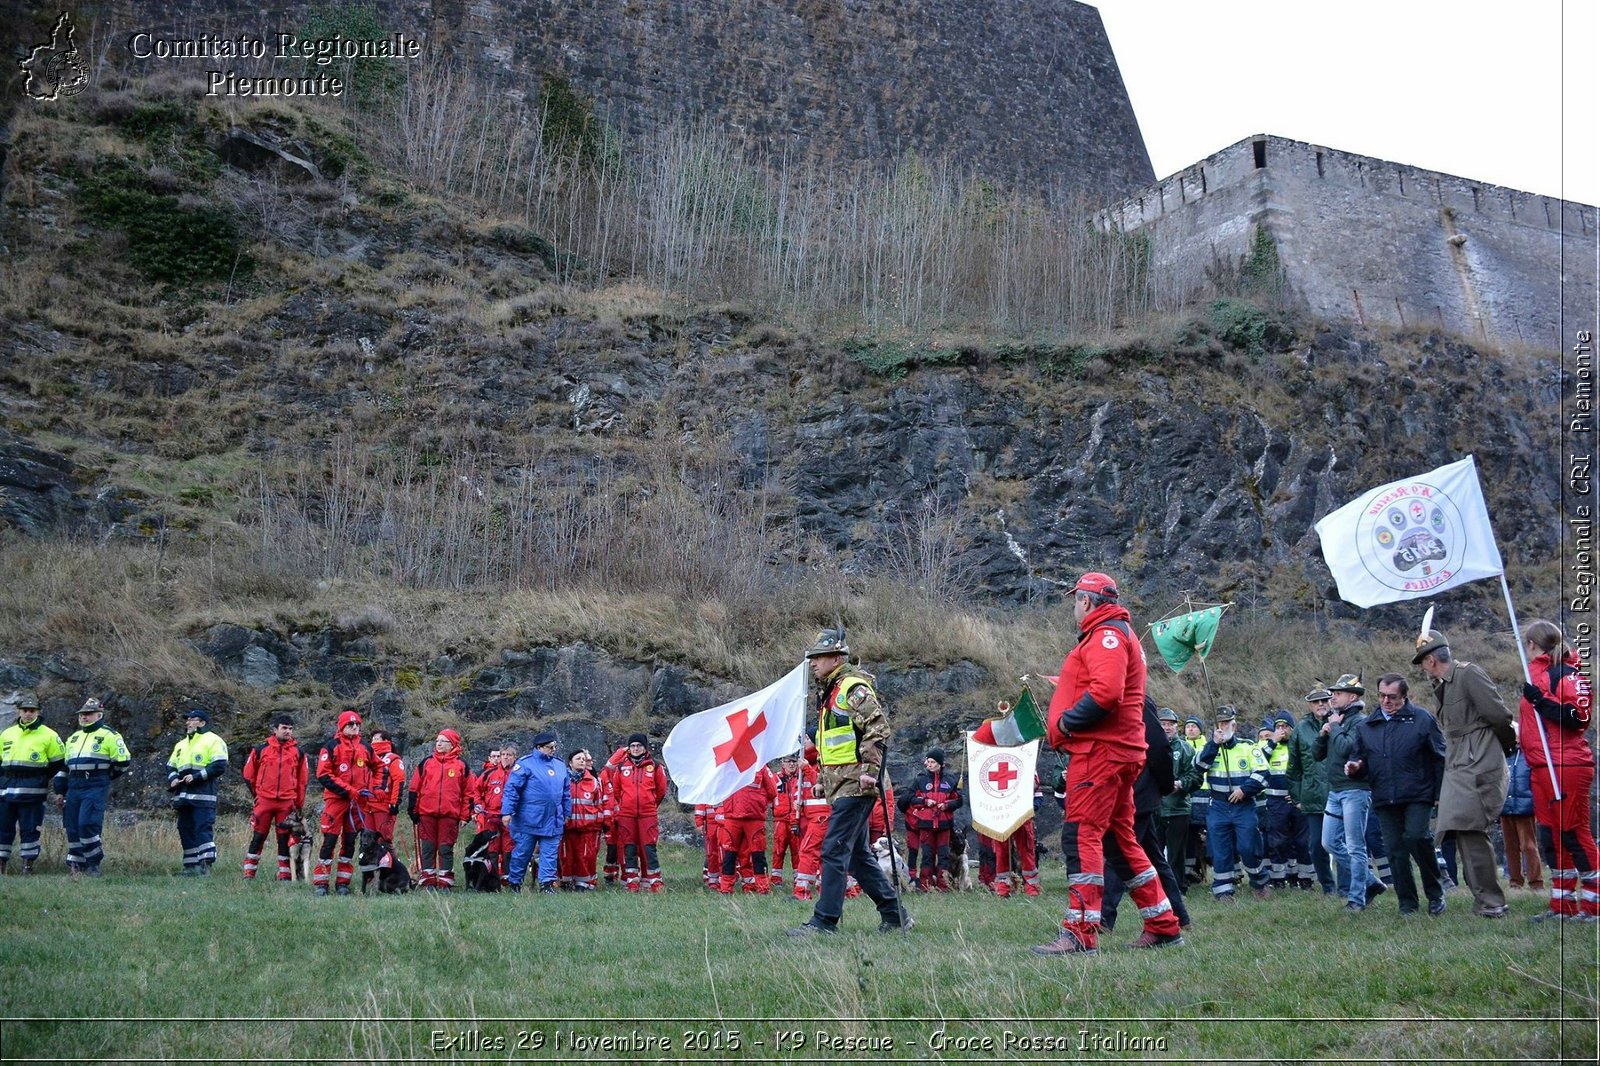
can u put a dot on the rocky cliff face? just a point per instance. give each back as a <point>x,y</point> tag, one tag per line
<point>1184,458</point>
<point>1183,470</point>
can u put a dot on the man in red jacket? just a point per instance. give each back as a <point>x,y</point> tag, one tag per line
<point>486,803</point>
<point>1097,717</point>
<point>441,791</point>
<point>349,775</point>
<point>744,828</point>
<point>638,785</point>
<point>786,818</point>
<point>276,771</point>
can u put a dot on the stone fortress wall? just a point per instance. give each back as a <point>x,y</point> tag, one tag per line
<point>1028,92</point>
<point>1372,241</point>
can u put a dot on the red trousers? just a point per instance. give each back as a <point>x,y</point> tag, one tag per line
<point>575,862</point>
<point>1100,813</point>
<point>713,863</point>
<point>1568,837</point>
<point>266,814</point>
<point>341,817</point>
<point>1024,840</point>
<point>383,822</point>
<point>744,844</point>
<point>785,842</point>
<point>813,827</point>
<point>438,829</point>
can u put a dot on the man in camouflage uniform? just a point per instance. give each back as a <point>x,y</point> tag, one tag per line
<point>852,740</point>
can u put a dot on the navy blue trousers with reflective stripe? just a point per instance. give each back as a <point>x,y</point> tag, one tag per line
<point>23,817</point>
<point>195,824</point>
<point>82,817</point>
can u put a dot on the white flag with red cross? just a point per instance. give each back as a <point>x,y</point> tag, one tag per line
<point>1000,786</point>
<point>712,754</point>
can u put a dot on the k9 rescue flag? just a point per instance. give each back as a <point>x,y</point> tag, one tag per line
<point>1411,538</point>
<point>713,753</point>
<point>1000,786</point>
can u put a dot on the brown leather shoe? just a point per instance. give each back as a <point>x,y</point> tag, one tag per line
<point>1065,944</point>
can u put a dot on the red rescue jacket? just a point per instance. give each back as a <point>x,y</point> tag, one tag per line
<point>589,812</point>
<point>751,802</point>
<point>491,784</point>
<point>786,805</point>
<point>1566,733</point>
<point>345,767</point>
<point>394,773</point>
<point>442,787</point>
<point>1099,699</point>
<point>636,788</point>
<point>277,772</point>
<point>930,791</point>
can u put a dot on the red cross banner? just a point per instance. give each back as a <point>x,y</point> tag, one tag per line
<point>1000,786</point>
<point>713,753</point>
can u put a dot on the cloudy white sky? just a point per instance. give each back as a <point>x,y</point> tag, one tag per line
<point>1467,87</point>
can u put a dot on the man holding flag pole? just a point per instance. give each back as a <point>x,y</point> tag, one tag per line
<point>852,745</point>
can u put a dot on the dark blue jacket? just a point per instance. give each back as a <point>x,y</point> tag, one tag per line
<point>1519,793</point>
<point>1402,758</point>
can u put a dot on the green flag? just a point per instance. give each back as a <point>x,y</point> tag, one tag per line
<point>1180,638</point>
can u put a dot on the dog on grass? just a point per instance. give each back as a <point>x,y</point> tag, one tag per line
<point>892,861</point>
<point>380,864</point>
<point>960,869</point>
<point>481,867</point>
<point>299,845</point>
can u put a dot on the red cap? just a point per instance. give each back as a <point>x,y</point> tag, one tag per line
<point>1097,583</point>
<point>452,736</point>
<point>349,715</point>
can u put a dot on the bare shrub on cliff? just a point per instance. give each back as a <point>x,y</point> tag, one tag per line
<point>925,246</point>
<point>922,551</point>
<point>674,521</point>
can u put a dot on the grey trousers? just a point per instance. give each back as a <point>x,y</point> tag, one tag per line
<point>1475,857</point>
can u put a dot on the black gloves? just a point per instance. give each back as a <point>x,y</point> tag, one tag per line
<point>394,808</point>
<point>1531,693</point>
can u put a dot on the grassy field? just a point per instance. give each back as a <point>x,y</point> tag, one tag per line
<point>145,966</point>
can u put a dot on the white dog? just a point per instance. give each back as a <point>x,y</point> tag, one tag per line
<point>892,861</point>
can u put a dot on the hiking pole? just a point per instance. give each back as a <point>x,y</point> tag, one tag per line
<point>888,823</point>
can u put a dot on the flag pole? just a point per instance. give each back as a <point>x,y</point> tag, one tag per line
<point>1205,676</point>
<point>1527,674</point>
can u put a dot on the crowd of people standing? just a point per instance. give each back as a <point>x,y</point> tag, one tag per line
<point>1351,800</point>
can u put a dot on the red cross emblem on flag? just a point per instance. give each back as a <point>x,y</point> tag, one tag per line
<point>738,747</point>
<point>1002,775</point>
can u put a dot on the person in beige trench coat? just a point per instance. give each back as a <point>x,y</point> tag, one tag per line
<point>1477,734</point>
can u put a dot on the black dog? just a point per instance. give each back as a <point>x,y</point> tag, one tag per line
<point>379,863</point>
<point>481,866</point>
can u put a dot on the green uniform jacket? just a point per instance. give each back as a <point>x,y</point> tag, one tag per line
<point>1186,774</point>
<point>1308,784</point>
<point>848,693</point>
<point>1333,750</point>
